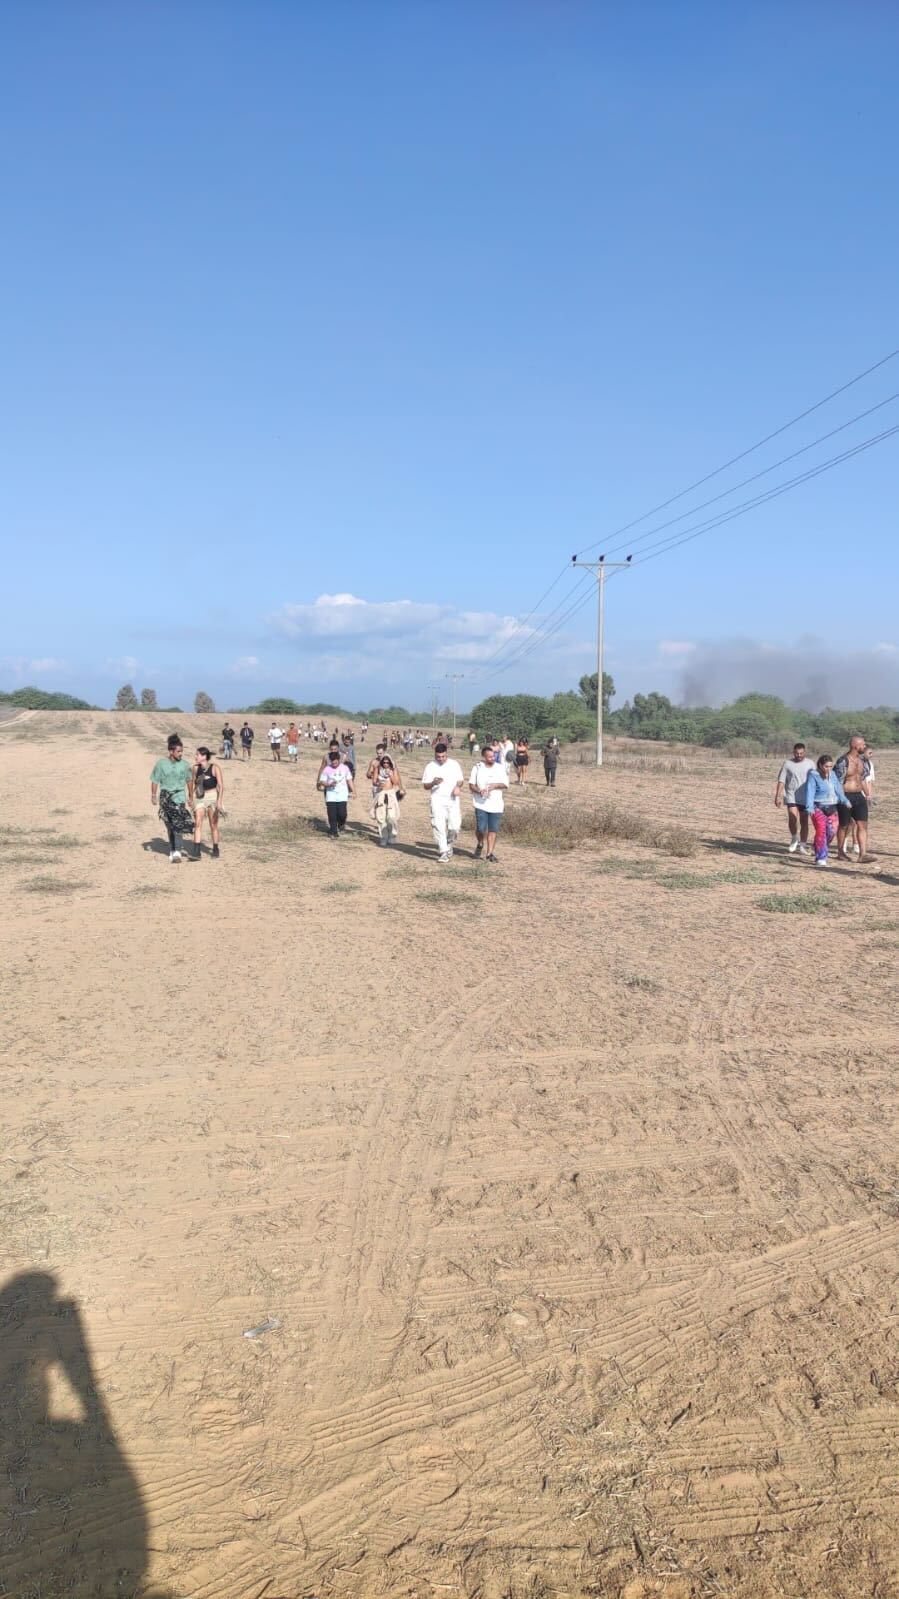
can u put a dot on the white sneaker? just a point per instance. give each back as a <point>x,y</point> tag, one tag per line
<point>820,863</point>
<point>856,850</point>
<point>805,849</point>
<point>793,846</point>
<point>444,858</point>
<point>175,855</point>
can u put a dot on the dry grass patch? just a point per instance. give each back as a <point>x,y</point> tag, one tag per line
<point>24,858</point>
<point>446,896</point>
<point>795,904</point>
<point>341,888</point>
<point>52,885</point>
<point>712,879</point>
<point>566,826</point>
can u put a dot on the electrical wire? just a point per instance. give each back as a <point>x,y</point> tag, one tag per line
<point>686,536</point>
<point>495,664</point>
<point>626,527</point>
<point>784,459</point>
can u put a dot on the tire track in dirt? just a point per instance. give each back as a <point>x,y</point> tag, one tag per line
<point>379,1250</point>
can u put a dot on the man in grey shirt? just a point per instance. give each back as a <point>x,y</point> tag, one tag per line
<point>790,791</point>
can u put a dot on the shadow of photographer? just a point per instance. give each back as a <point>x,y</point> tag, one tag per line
<point>72,1519</point>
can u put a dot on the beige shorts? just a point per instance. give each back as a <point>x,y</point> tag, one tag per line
<point>209,802</point>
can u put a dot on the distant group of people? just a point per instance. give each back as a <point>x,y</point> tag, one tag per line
<point>826,800</point>
<point>518,755</point>
<point>829,798</point>
<point>278,737</point>
<point>442,780</point>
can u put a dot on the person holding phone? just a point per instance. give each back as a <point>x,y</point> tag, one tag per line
<point>209,792</point>
<point>387,791</point>
<point>442,780</point>
<point>335,781</point>
<point>488,780</point>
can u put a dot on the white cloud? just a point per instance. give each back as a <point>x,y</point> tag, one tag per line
<point>244,666</point>
<point>48,663</point>
<point>886,649</point>
<point>22,667</point>
<point>126,666</point>
<point>387,628</point>
<point>676,647</point>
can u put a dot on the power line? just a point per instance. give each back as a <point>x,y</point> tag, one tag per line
<point>521,648</point>
<point>685,536</point>
<point>525,646</point>
<point>495,666</point>
<point>519,625</point>
<point>784,459</point>
<point>625,528</point>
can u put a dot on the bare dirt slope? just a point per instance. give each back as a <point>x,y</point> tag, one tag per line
<point>571,1184</point>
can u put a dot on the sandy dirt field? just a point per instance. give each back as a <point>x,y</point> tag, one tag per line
<point>571,1184</point>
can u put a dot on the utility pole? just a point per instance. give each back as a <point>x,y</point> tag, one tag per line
<point>454,678</point>
<point>599,569</point>
<point>435,690</point>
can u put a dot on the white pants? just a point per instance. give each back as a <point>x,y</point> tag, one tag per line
<point>446,823</point>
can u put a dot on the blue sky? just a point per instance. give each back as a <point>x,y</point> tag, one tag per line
<point>330,330</point>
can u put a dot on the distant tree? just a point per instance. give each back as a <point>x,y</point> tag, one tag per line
<point>277,707</point>
<point>394,714</point>
<point>514,714</point>
<point>587,687</point>
<point>126,699</point>
<point>148,699</point>
<point>38,699</point>
<point>203,703</point>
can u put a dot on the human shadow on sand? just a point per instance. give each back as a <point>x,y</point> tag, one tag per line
<point>72,1519</point>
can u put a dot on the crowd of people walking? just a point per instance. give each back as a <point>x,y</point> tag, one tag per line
<point>827,801</point>
<point>829,798</point>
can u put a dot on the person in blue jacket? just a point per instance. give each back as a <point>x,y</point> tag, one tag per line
<point>823,797</point>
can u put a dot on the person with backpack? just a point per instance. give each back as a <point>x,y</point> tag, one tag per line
<point>246,741</point>
<point>209,792</point>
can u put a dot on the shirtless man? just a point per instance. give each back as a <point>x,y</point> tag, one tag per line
<point>853,770</point>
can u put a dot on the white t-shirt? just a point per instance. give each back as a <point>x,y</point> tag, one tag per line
<point>481,775</point>
<point>335,781</point>
<point>450,774</point>
<point>275,735</point>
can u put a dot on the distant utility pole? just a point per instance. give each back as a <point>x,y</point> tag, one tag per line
<point>435,690</point>
<point>599,569</point>
<point>454,678</point>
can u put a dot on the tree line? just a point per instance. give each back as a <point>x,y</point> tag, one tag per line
<point>753,724</point>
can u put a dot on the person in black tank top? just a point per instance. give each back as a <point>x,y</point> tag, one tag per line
<point>209,792</point>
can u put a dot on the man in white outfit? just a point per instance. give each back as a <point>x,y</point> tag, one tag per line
<point>488,779</point>
<point>442,778</point>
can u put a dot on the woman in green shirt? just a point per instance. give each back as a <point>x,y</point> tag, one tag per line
<point>171,781</point>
